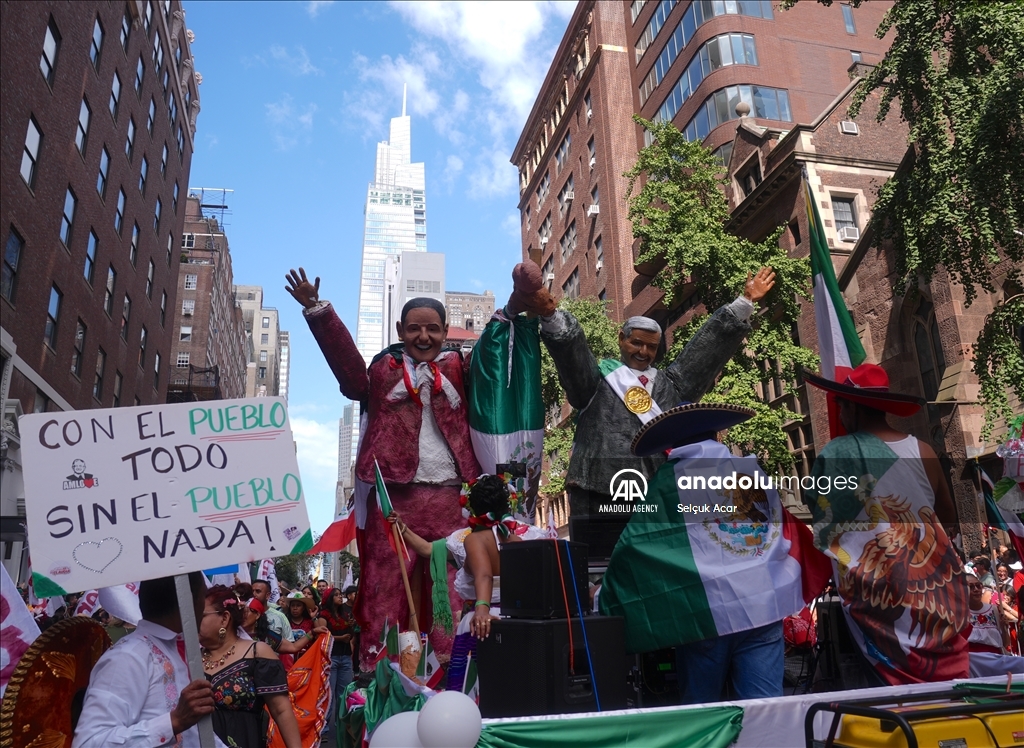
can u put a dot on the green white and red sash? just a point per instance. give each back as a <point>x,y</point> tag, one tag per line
<point>622,379</point>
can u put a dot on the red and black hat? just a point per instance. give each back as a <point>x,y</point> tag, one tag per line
<point>868,385</point>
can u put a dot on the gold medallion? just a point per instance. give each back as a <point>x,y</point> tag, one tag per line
<point>638,400</point>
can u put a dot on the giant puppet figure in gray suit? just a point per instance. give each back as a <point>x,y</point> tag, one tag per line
<point>616,397</point>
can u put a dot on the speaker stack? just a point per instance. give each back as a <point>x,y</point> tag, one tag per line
<point>527,666</point>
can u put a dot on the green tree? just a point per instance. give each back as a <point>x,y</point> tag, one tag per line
<point>679,211</point>
<point>954,72</point>
<point>293,571</point>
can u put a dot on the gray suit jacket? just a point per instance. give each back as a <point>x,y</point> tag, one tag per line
<point>605,427</point>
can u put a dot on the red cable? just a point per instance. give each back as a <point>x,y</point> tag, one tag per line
<point>568,615</point>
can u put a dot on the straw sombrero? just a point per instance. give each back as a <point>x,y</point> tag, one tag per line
<point>47,688</point>
<point>686,423</point>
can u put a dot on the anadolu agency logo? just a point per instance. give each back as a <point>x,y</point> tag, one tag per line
<point>629,487</point>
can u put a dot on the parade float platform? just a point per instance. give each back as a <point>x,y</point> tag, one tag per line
<point>755,723</point>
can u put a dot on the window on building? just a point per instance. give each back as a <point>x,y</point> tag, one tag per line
<point>149,280</point>
<point>598,250</point>
<point>118,381</point>
<point>12,256</point>
<point>589,106</point>
<point>182,361</point>
<point>79,350</point>
<point>143,172</point>
<point>133,248</point>
<point>566,195</point>
<point>855,56</point>
<point>156,370</point>
<point>166,80</point>
<point>147,18</point>
<point>595,196</point>
<point>119,215</point>
<point>97,382</point>
<point>192,280</point>
<point>143,339</point>
<point>140,74</point>
<point>126,29</point>
<point>263,357</point>
<point>851,28</point>
<point>842,212</point>
<point>174,200</point>
<point>67,221</point>
<point>720,107</point>
<point>592,153</point>
<point>163,162</point>
<point>567,243</point>
<point>108,292</point>
<point>158,50</point>
<point>129,143</point>
<point>30,156</point>
<point>543,188</point>
<point>96,48</point>
<point>170,247</point>
<point>548,272</point>
<point>156,215</point>
<point>90,256</point>
<point>82,134</point>
<point>172,109</point>
<point>794,231</point>
<point>42,402</point>
<point>266,322</point>
<point>52,317</point>
<point>115,95</point>
<point>526,217</point>
<point>51,47</point>
<point>151,116</point>
<point>188,307</point>
<point>421,225</point>
<point>101,178</point>
<point>931,361</point>
<point>562,154</point>
<point>750,177</point>
<point>185,334</point>
<point>571,288</point>
<point>126,315</point>
<point>163,308</point>
<point>188,241</point>
<point>264,339</point>
<point>262,372</point>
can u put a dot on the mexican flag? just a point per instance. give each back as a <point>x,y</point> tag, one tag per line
<point>1004,507</point>
<point>384,504</point>
<point>733,559</point>
<point>838,344</point>
<point>429,671</point>
<point>338,535</point>
<point>506,415</point>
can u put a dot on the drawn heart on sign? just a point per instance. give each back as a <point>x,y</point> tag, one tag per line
<point>89,482</point>
<point>96,557</point>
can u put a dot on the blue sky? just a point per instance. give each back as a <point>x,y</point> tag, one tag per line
<point>295,97</point>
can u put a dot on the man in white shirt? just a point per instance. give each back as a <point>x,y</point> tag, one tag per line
<point>139,693</point>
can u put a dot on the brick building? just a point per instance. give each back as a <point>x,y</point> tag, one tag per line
<point>470,311</point>
<point>98,105</point>
<point>210,346</point>
<point>688,62</point>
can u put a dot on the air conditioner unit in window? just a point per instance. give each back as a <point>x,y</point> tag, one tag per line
<point>590,113</point>
<point>569,197</point>
<point>599,265</point>
<point>187,313</point>
<point>550,278</point>
<point>593,162</point>
<point>846,127</point>
<point>593,210</point>
<point>849,233</point>
<point>543,240</point>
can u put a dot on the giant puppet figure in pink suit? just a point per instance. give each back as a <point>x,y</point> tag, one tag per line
<point>417,429</point>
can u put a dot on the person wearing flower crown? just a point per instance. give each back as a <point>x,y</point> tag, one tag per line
<point>488,503</point>
<point>878,510</point>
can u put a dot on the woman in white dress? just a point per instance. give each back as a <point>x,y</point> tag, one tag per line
<point>488,503</point>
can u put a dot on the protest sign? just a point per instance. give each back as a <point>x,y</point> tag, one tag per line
<point>126,494</point>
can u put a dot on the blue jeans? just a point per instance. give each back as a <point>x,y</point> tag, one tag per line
<point>341,676</point>
<point>753,661</point>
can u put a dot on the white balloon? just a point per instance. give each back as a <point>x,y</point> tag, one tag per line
<point>398,731</point>
<point>449,720</point>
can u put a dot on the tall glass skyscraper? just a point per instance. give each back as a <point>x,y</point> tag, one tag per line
<point>396,222</point>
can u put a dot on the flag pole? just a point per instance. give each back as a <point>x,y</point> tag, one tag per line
<point>414,623</point>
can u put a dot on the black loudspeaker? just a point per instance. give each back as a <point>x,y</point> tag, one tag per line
<point>524,667</point>
<point>600,532</point>
<point>531,585</point>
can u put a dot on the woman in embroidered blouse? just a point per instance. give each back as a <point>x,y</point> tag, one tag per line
<point>245,675</point>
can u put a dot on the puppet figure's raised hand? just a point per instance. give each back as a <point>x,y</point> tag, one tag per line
<point>304,292</point>
<point>758,287</point>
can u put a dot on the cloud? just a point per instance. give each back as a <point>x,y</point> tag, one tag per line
<point>317,450</point>
<point>512,224</point>
<point>298,64</point>
<point>493,174</point>
<point>452,168</point>
<point>313,7</point>
<point>387,78</point>
<point>288,124</point>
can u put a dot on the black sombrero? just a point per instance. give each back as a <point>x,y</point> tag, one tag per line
<point>686,423</point>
